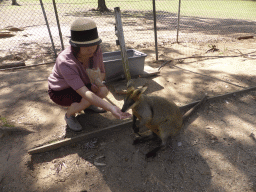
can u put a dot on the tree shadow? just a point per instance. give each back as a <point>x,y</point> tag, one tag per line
<point>167,21</point>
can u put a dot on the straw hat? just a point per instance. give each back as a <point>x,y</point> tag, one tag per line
<point>84,33</point>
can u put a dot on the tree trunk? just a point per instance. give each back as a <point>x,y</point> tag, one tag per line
<point>14,2</point>
<point>102,6</point>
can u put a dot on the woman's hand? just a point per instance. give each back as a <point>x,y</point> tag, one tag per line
<point>93,99</point>
<point>119,114</point>
<point>94,88</point>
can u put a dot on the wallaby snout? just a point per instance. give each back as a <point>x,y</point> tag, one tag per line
<point>128,103</point>
<point>124,109</point>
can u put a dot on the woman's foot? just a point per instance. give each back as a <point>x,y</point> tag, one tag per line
<point>72,123</point>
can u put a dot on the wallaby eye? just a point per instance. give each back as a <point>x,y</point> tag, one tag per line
<point>126,99</point>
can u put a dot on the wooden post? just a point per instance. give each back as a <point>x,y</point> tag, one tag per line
<point>120,36</point>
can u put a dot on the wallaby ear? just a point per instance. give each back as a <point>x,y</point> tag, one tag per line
<point>130,83</point>
<point>143,89</point>
<point>130,87</point>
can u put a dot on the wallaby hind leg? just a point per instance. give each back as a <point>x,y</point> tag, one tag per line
<point>164,137</point>
<point>153,152</point>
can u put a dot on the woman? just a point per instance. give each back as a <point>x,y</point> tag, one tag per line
<point>69,84</point>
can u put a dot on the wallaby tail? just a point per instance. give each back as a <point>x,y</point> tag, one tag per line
<point>193,109</point>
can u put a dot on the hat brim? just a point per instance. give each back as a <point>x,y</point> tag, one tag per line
<point>85,44</point>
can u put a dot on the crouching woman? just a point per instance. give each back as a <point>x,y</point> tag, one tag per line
<point>69,82</point>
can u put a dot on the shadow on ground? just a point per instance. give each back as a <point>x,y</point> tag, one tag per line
<point>214,152</point>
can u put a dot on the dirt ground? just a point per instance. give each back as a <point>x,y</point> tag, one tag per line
<point>215,151</point>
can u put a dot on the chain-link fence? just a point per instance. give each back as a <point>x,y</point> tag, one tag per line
<point>25,36</point>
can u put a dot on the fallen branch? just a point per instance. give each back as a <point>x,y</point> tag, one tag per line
<point>27,66</point>
<point>6,34</point>
<point>12,65</point>
<point>213,49</point>
<point>245,37</point>
<point>188,106</point>
<point>165,63</point>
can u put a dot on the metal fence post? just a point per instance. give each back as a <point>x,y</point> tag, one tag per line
<point>46,21</point>
<point>178,27</point>
<point>58,23</point>
<point>120,35</point>
<point>155,29</point>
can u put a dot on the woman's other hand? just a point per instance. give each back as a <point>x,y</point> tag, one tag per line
<point>94,88</point>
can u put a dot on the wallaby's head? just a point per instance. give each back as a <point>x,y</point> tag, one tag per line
<point>132,97</point>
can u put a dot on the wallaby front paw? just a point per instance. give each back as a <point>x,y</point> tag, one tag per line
<point>153,152</point>
<point>150,154</point>
<point>135,129</point>
<point>136,141</point>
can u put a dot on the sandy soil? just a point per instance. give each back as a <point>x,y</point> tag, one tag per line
<point>215,151</point>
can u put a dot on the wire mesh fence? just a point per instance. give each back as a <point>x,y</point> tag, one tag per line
<point>24,35</point>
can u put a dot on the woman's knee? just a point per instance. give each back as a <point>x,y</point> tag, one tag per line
<point>82,104</point>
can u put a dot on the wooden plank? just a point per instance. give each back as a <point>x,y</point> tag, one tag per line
<point>120,35</point>
<point>78,138</point>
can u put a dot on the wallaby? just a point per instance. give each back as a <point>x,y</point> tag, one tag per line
<point>161,116</point>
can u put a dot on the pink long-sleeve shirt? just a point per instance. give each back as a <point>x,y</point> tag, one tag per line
<point>68,71</point>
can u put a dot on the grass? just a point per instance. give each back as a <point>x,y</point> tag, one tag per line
<point>232,9</point>
<point>220,9</point>
<point>235,9</point>
<point>4,122</point>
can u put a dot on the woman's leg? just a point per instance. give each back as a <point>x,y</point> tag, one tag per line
<point>71,112</point>
<point>77,107</point>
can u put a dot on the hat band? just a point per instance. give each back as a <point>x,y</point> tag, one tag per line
<point>82,36</point>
